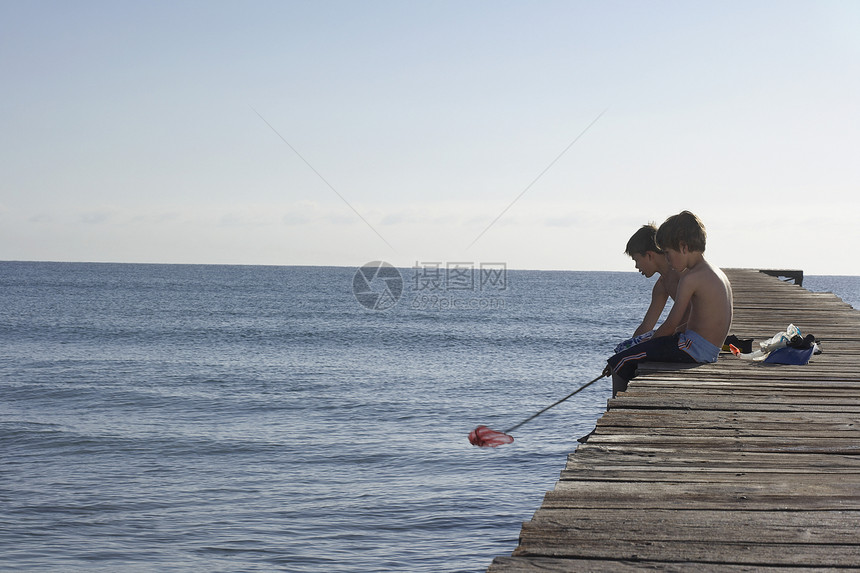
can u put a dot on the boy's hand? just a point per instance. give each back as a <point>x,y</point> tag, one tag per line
<point>607,371</point>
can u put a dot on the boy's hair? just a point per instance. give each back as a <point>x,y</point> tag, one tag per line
<point>683,227</point>
<point>643,241</point>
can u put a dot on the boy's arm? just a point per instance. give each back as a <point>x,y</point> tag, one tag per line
<point>678,315</point>
<point>659,296</point>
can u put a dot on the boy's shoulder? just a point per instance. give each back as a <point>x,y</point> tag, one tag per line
<point>703,271</point>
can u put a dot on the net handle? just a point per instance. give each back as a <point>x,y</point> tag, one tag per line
<point>581,388</point>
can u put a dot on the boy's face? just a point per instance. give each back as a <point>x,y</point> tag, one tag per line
<point>645,263</point>
<point>677,259</point>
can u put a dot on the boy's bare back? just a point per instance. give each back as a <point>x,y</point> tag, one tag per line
<point>710,296</point>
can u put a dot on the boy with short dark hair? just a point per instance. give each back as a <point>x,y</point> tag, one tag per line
<point>703,291</point>
<point>650,259</point>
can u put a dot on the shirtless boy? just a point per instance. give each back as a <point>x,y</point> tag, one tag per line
<point>702,289</point>
<point>650,259</point>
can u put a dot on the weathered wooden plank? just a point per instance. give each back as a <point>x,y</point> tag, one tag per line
<point>803,492</point>
<point>655,458</point>
<point>568,564</point>
<point>661,434</point>
<point>818,394</point>
<point>717,443</point>
<point>725,475</point>
<point>660,403</point>
<point>715,525</point>
<point>720,419</point>
<point>739,553</point>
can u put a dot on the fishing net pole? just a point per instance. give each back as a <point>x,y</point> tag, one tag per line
<point>485,437</point>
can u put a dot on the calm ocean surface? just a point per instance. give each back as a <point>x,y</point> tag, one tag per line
<point>231,418</point>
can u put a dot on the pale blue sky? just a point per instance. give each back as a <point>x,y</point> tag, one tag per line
<point>129,131</point>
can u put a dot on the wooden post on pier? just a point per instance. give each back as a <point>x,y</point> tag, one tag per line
<point>731,466</point>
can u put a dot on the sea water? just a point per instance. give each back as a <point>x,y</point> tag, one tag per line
<point>238,418</point>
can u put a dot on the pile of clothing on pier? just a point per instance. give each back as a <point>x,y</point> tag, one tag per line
<point>788,347</point>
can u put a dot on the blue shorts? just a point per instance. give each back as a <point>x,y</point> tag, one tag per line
<point>686,347</point>
<point>697,347</point>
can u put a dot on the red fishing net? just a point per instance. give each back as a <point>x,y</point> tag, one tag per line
<point>486,438</point>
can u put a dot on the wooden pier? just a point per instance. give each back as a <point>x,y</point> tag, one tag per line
<point>732,466</point>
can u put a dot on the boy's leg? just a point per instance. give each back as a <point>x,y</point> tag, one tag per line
<point>624,364</point>
<point>619,384</point>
